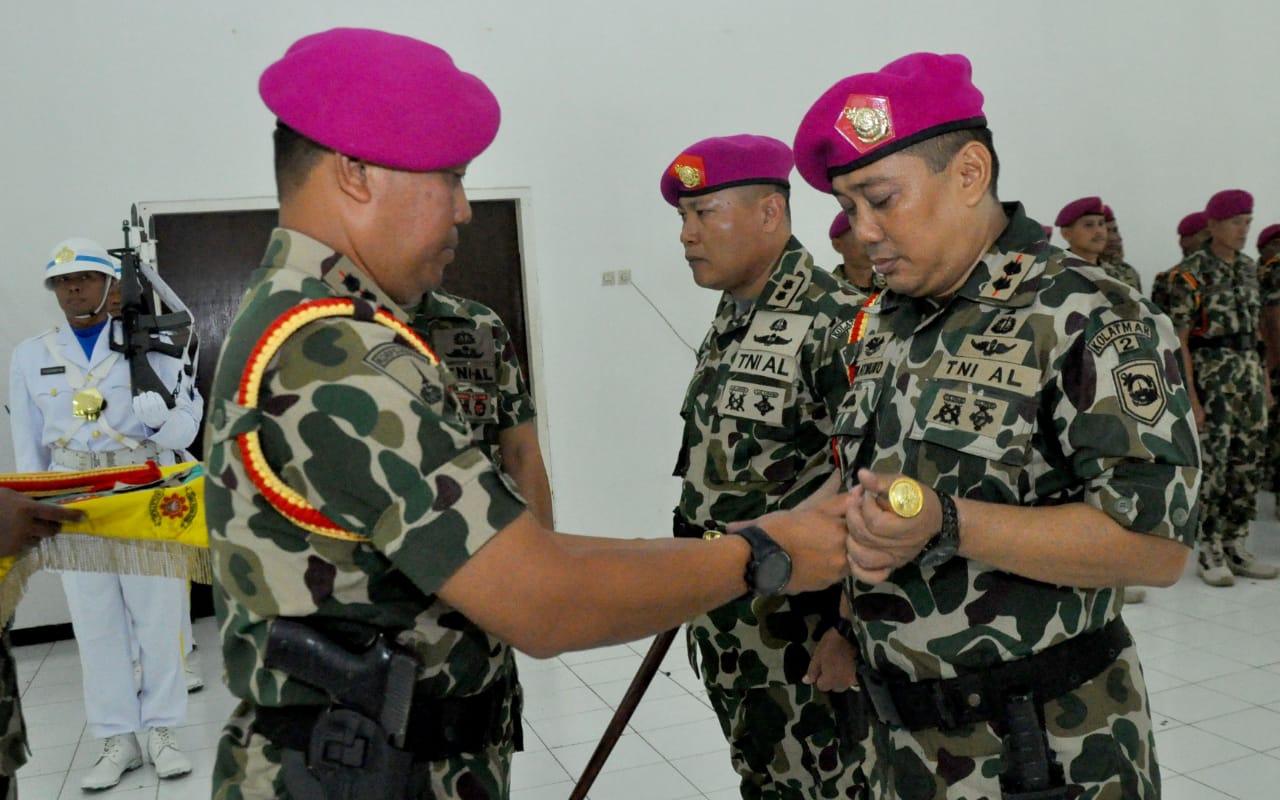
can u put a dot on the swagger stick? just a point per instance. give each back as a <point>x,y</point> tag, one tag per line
<point>639,684</point>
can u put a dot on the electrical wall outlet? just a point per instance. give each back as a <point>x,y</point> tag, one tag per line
<point>608,278</point>
<point>624,276</point>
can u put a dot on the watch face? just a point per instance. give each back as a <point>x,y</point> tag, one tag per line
<point>938,554</point>
<point>772,573</point>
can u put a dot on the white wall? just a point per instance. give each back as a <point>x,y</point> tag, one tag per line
<point>1152,105</point>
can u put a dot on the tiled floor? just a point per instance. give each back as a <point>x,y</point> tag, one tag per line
<point>1212,660</point>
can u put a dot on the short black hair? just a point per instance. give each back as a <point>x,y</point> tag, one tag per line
<point>938,151</point>
<point>295,156</point>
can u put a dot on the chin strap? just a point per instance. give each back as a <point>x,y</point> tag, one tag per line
<point>106,292</point>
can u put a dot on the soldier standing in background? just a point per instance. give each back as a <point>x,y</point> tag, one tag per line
<point>1193,232</point>
<point>1085,229</point>
<point>1112,261</point>
<point>371,567</point>
<point>1269,280</point>
<point>1215,303</point>
<point>757,426</point>
<point>854,268</point>
<point>999,494</point>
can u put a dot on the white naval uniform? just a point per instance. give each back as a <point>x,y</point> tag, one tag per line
<point>45,374</point>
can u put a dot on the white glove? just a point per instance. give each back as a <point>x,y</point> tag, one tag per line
<point>151,410</point>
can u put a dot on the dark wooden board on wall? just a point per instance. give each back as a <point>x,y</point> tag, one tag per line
<point>206,258</point>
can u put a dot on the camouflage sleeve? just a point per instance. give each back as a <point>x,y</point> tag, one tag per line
<point>1183,300</point>
<point>1269,277</point>
<point>515,404</point>
<point>362,426</point>
<point>1126,423</point>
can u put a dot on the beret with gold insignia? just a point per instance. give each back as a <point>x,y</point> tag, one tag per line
<point>724,161</point>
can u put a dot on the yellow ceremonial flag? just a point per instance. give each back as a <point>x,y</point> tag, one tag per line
<point>152,523</point>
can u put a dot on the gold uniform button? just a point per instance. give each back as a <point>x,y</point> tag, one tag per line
<point>96,434</point>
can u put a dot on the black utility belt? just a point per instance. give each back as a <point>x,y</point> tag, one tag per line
<point>1231,341</point>
<point>439,728</point>
<point>682,528</point>
<point>982,696</point>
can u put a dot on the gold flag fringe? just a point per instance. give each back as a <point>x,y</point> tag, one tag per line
<point>13,585</point>
<point>85,553</point>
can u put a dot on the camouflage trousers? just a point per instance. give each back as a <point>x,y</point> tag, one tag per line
<point>1233,442</point>
<point>1101,734</point>
<point>1271,469</point>
<point>13,731</point>
<point>787,744</point>
<point>247,767</point>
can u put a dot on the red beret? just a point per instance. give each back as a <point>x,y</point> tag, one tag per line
<point>1268,233</point>
<point>724,161</point>
<point>1193,223</point>
<point>1228,203</point>
<point>1078,208</point>
<point>839,226</point>
<point>1108,214</point>
<point>380,97</point>
<point>866,117</point>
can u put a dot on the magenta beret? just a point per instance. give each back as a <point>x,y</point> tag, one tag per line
<point>383,98</point>
<point>1078,208</point>
<point>1268,233</point>
<point>1108,214</point>
<point>866,117</point>
<point>839,226</point>
<point>724,161</point>
<point>1193,223</point>
<point>1228,203</point>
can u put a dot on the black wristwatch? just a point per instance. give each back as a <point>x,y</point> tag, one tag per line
<point>770,567</point>
<point>944,545</point>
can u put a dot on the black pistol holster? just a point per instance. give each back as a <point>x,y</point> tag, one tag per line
<point>352,749</point>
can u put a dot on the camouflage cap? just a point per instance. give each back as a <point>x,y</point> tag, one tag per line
<point>1078,208</point>
<point>1229,203</point>
<point>866,117</point>
<point>1193,223</point>
<point>724,161</point>
<point>383,98</point>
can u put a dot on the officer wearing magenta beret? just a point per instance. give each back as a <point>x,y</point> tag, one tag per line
<point>1216,305</point>
<point>1018,442</point>
<point>372,567</point>
<point>757,430</point>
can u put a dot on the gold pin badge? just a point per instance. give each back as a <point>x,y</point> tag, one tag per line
<point>689,176</point>
<point>88,404</point>
<point>906,498</point>
<point>870,125</point>
<point>64,255</point>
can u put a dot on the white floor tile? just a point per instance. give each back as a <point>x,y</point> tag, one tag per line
<point>1256,686</point>
<point>1193,665</point>
<point>558,791</point>
<point>709,772</point>
<point>556,679</point>
<point>613,669</point>
<point>535,769</point>
<point>1254,778</point>
<point>573,729</point>
<point>612,692</point>
<point>1158,681</point>
<point>54,760</point>
<point>1192,703</point>
<point>597,654</point>
<point>689,739</point>
<point>664,712</point>
<point>1187,749</point>
<point>1180,787</point>
<point>40,787</point>
<point>629,751</point>
<point>1255,728</point>
<point>651,782</point>
<point>545,705</point>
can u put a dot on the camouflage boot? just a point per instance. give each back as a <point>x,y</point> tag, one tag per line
<point>1212,566</point>
<point>1243,563</point>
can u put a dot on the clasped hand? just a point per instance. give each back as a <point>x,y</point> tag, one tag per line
<point>879,540</point>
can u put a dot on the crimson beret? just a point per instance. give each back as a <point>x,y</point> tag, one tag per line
<point>839,226</point>
<point>1268,233</point>
<point>383,98</point>
<point>1078,208</point>
<point>1193,223</point>
<point>866,117</point>
<point>724,161</point>
<point>1108,214</point>
<point>1228,203</point>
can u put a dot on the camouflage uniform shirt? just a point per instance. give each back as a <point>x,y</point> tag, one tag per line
<point>1036,384</point>
<point>1123,272</point>
<point>366,430</point>
<point>758,415</point>
<point>488,382</point>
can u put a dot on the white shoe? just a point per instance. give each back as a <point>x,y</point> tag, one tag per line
<point>163,751</point>
<point>120,754</point>
<point>1212,568</point>
<point>1134,595</point>
<point>1243,563</point>
<point>194,682</point>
